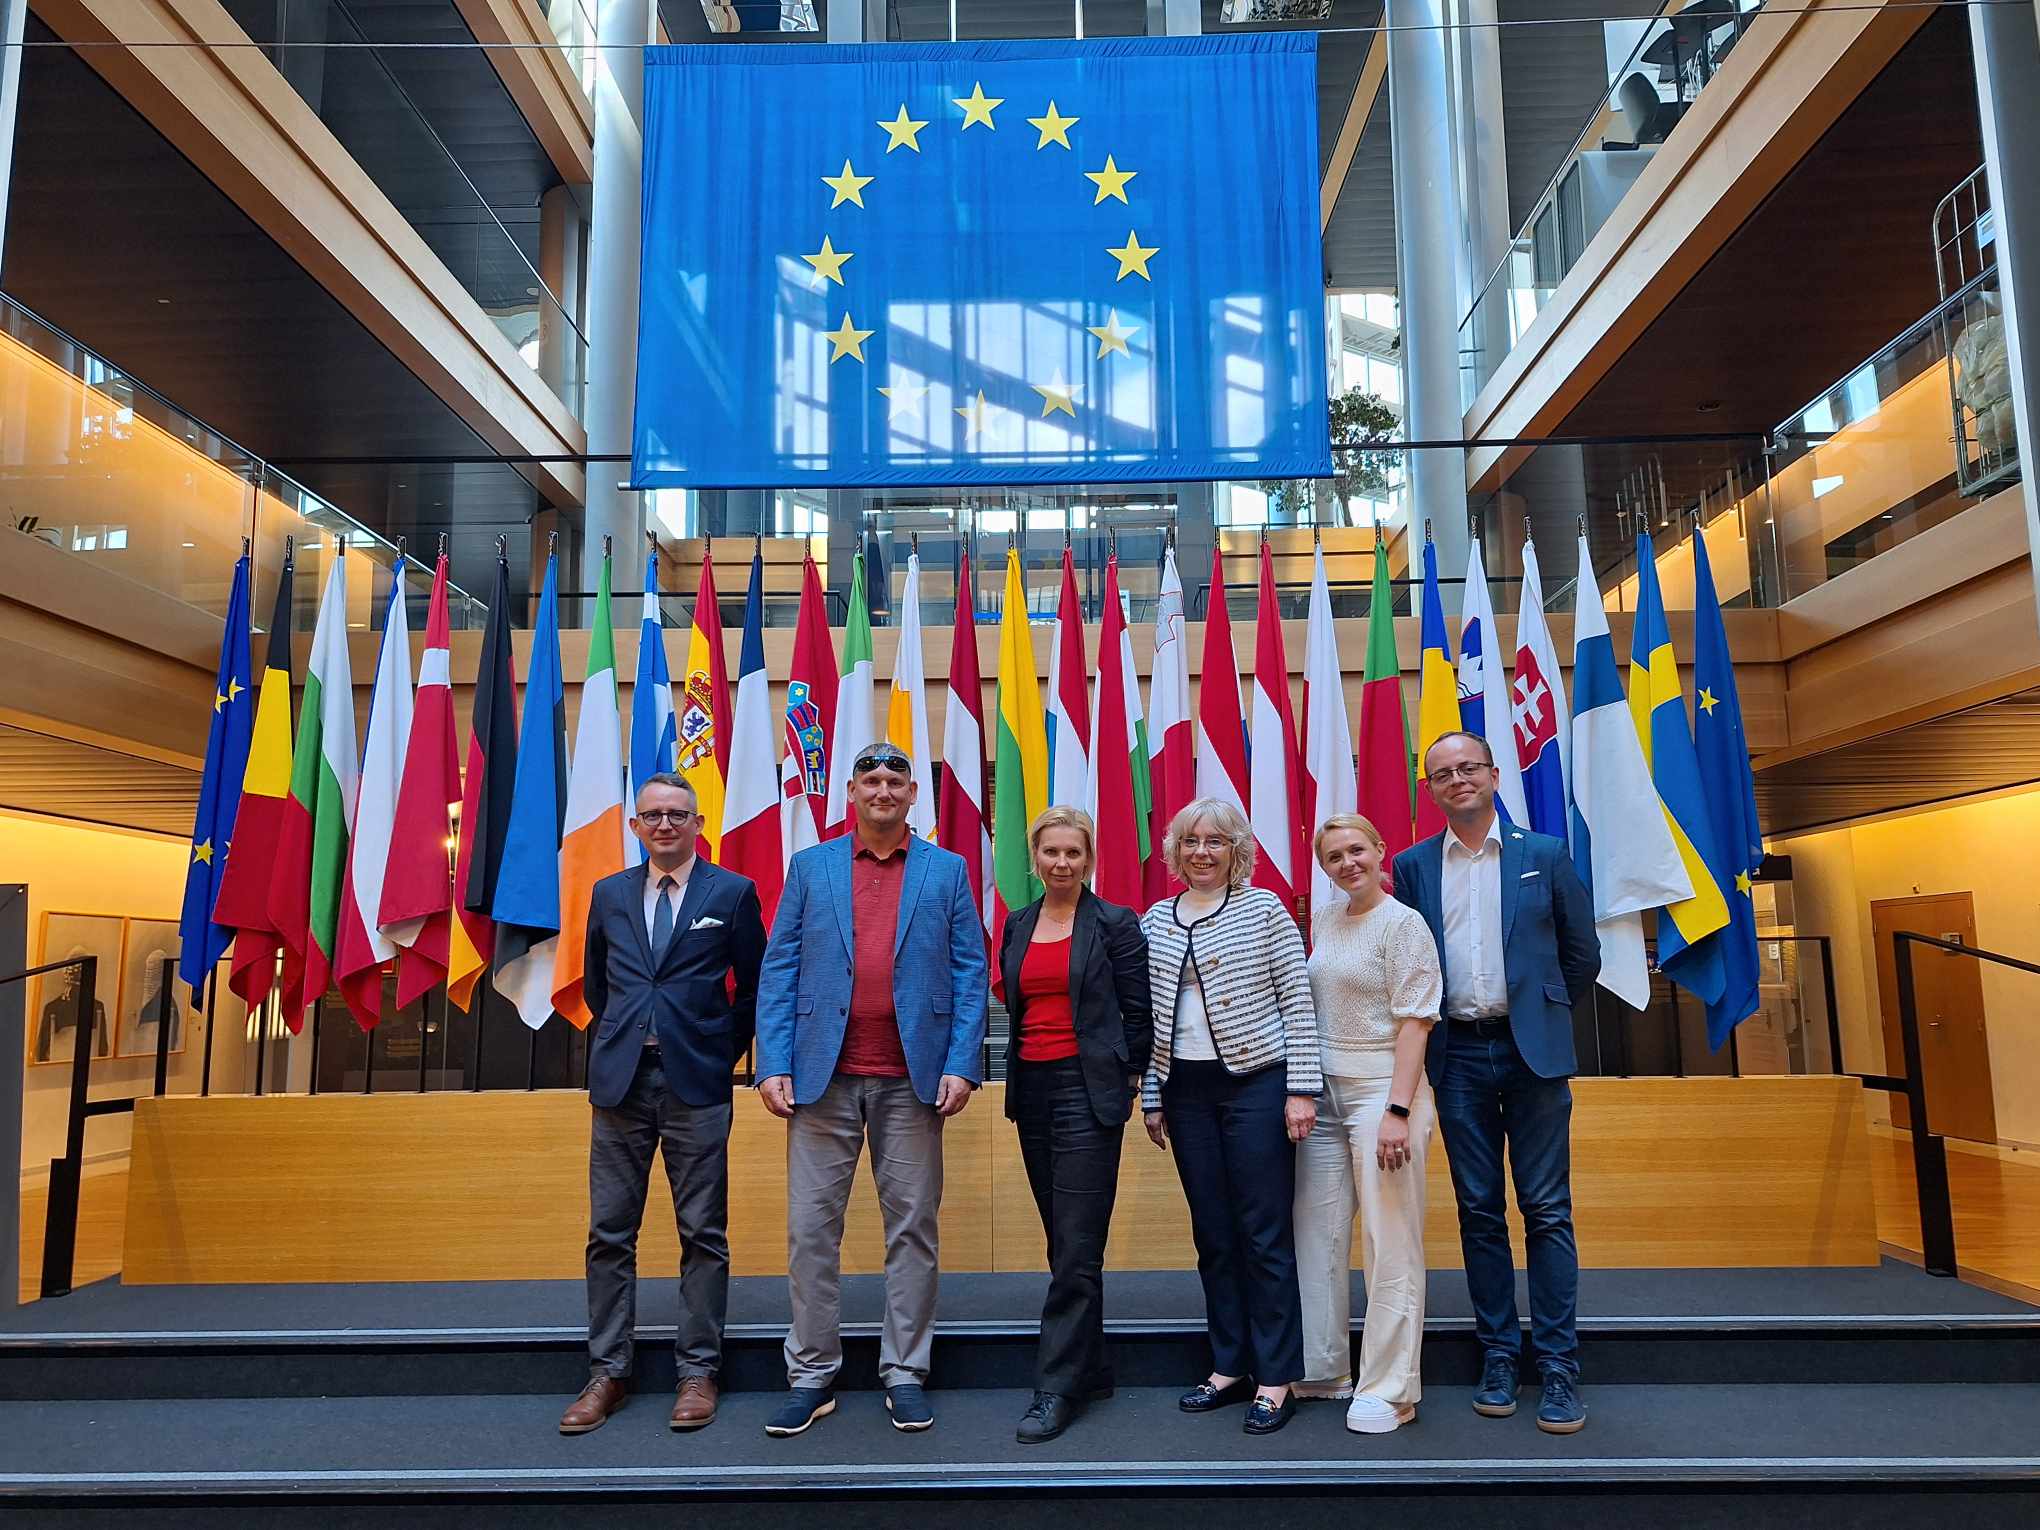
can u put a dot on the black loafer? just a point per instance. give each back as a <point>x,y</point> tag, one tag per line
<point>1048,1416</point>
<point>1262,1419</point>
<point>1206,1398</point>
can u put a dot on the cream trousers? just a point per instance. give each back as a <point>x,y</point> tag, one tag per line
<point>1336,1175</point>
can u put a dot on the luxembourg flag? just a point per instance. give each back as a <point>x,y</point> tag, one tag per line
<point>1543,722</point>
<point>653,733</point>
<point>1483,693</point>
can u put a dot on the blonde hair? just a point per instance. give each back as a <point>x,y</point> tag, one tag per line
<point>1062,818</point>
<point>1355,822</point>
<point>1228,821</point>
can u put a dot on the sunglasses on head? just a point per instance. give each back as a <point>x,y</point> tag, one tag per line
<point>882,759</point>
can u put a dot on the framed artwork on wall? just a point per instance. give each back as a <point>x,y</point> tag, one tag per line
<point>149,963</point>
<point>56,1006</point>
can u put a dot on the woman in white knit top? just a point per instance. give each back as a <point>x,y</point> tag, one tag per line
<point>1376,986</point>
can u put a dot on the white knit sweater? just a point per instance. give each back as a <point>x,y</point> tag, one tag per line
<point>1368,976</point>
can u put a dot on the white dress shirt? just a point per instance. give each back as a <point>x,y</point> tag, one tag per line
<point>1193,1041</point>
<point>679,874</point>
<point>1470,895</point>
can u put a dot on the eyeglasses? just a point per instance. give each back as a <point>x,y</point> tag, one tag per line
<point>1214,844</point>
<point>1451,773</point>
<point>881,759</point>
<point>678,817</point>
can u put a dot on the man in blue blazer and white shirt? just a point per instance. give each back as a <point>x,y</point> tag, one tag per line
<point>871,1024</point>
<point>1515,933</point>
<point>665,940</point>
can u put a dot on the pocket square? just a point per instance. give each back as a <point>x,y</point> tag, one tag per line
<point>1529,874</point>
<point>706,922</point>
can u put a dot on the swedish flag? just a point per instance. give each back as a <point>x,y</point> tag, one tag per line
<point>1685,950</point>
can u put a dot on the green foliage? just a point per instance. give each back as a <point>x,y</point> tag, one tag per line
<point>1362,424</point>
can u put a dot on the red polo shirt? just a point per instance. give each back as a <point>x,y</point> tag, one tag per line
<point>871,1038</point>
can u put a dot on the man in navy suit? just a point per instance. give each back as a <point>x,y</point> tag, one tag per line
<point>871,1024</point>
<point>1515,933</point>
<point>665,939</point>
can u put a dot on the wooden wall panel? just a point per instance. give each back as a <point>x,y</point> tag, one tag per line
<point>1667,1173</point>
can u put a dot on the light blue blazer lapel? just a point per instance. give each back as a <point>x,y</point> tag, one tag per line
<point>838,863</point>
<point>910,891</point>
<point>1512,882</point>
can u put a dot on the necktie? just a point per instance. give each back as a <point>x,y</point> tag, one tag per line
<point>662,918</point>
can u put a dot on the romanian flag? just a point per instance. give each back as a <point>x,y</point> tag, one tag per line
<point>1384,775</point>
<point>252,859</point>
<point>1438,689</point>
<point>705,718</point>
<point>417,889</point>
<point>485,799</point>
<point>592,846</point>
<point>1685,954</point>
<point>1019,757</point>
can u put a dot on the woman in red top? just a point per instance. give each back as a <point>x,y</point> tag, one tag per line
<point>1074,971</point>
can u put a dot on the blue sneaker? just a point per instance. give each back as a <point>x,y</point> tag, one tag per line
<point>1496,1396</point>
<point>908,1405</point>
<point>802,1407</point>
<point>1561,1411</point>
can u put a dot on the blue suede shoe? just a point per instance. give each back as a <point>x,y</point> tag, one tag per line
<point>908,1405</point>
<point>1496,1397</point>
<point>1561,1411</point>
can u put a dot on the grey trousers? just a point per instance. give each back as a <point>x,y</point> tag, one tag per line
<point>694,1141</point>
<point>823,1141</point>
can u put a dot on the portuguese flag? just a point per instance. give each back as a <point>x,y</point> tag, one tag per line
<point>1019,759</point>
<point>324,778</point>
<point>1384,776</point>
<point>244,900</point>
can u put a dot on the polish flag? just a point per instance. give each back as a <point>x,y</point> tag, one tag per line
<point>1274,767</point>
<point>1221,732</point>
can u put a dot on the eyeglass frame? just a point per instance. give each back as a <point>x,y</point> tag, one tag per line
<point>678,817</point>
<point>1466,770</point>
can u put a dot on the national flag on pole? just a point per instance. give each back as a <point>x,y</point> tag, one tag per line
<point>960,816</point>
<point>1383,780</point>
<point>243,900</point>
<point>1221,731</point>
<point>1542,721</point>
<point>854,697</point>
<point>325,776</point>
<point>704,721</point>
<point>1328,771</point>
<point>1437,688</point>
<point>1483,689</point>
<point>1274,765</point>
<point>1172,764</point>
<point>591,844</point>
<point>203,938</point>
<point>906,708</point>
<point>1622,845</point>
<point>1737,847</point>
<point>1068,722</point>
<point>527,903</point>
<point>417,892</point>
<point>485,799</point>
<point>1019,757</point>
<point>1658,706</point>
<point>1117,791</point>
<point>753,825</point>
<point>364,953</point>
<point>654,733</point>
<point>811,688</point>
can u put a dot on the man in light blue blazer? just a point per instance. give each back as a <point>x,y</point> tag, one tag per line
<point>1515,933</point>
<point>871,1024</point>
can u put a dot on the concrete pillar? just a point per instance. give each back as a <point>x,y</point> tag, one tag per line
<point>2007,50</point>
<point>560,246</point>
<point>1427,221</point>
<point>623,28</point>
<point>13,19</point>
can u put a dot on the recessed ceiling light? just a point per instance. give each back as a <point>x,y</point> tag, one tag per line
<point>191,544</point>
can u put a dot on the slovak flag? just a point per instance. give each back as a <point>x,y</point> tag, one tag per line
<point>1543,721</point>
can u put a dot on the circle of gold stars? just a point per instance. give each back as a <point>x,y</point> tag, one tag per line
<point>902,131</point>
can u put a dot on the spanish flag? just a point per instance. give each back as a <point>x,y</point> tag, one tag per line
<point>243,900</point>
<point>1438,695</point>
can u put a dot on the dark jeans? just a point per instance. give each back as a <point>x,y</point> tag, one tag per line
<point>694,1140</point>
<point>1488,1097</point>
<point>1238,1168</point>
<point>1072,1163</point>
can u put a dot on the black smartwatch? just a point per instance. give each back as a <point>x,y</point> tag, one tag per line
<point>1401,1112</point>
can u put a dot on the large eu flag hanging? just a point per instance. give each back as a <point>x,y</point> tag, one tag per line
<point>1009,262</point>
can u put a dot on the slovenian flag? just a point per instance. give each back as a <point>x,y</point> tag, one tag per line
<point>1483,692</point>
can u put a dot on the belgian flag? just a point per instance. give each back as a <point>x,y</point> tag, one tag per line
<point>243,902</point>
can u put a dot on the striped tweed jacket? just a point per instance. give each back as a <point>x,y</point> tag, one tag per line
<point>1250,964</point>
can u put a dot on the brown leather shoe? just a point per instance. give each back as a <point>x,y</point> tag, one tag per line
<point>694,1408</point>
<point>602,1396</point>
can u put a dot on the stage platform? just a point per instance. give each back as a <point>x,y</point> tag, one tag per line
<point>1717,1397</point>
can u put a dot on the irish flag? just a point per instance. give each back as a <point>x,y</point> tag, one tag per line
<point>1172,771</point>
<point>960,817</point>
<point>591,847</point>
<point>1384,774</point>
<point>324,779</point>
<point>1117,792</point>
<point>855,693</point>
<point>1019,756</point>
<point>417,890</point>
<point>906,709</point>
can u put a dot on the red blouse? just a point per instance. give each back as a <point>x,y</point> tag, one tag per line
<point>1047,1027</point>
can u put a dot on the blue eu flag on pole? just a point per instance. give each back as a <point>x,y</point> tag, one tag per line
<point>970,263</point>
<point>201,942</point>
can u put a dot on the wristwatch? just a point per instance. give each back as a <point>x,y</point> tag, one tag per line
<point>1401,1112</point>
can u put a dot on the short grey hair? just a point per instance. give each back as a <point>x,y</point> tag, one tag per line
<point>671,778</point>
<point>1229,821</point>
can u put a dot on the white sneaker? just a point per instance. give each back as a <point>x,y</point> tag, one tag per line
<point>1370,1415</point>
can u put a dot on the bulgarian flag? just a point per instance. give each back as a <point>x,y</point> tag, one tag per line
<point>906,710</point>
<point>417,891</point>
<point>1274,768</point>
<point>704,721</point>
<point>1019,758</point>
<point>485,798</point>
<point>1172,769</point>
<point>1221,732</point>
<point>1384,773</point>
<point>1068,721</point>
<point>324,778</point>
<point>855,692</point>
<point>753,825</point>
<point>592,845</point>
<point>1118,791</point>
<point>960,816</point>
<point>243,901</point>
<point>1438,689</point>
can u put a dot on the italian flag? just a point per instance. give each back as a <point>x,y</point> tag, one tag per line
<point>324,780</point>
<point>1019,758</point>
<point>1118,791</point>
<point>591,847</point>
<point>855,693</point>
<point>1384,775</point>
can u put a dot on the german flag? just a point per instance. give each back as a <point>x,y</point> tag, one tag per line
<point>485,801</point>
<point>243,901</point>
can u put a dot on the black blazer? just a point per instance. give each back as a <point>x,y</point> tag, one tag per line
<point>1109,1001</point>
<point>702,1030</point>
